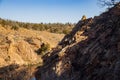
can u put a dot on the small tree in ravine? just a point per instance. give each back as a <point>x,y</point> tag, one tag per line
<point>44,48</point>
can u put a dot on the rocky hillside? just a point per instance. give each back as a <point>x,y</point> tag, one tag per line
<point>21,46</point>
<point>90,52</point>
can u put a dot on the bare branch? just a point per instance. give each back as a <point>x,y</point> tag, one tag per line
<point>108,3</point>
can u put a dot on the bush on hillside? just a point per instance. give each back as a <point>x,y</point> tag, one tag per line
<point>15,27</point>
<point>44,48</point>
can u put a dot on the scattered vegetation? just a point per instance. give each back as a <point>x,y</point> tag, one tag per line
<point>14,27</point>
<point>44,48</point>
<point>50,27</point>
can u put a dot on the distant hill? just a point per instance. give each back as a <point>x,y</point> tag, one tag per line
<point>50,27</point>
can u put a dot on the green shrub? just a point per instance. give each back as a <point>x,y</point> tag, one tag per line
<point>44,48</point>
<point>66,31</point>
<point>14,27</point>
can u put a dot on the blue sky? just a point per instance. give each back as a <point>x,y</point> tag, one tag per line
<point>46,11</point>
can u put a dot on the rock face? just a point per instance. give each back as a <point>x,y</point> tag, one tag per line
<point>20,47</point>
<point>90,52</point>
<point>14,51</point>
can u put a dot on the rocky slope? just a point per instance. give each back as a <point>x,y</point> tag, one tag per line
<point>90,52</point>
<point>20,46</point>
